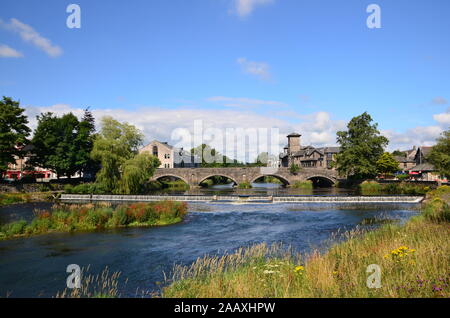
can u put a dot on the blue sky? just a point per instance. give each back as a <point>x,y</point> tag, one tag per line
<point>299,65</point>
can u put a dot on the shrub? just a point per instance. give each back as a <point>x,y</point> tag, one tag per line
<point>370,188</point>
<point>303,184</point>
<point>245,185</point>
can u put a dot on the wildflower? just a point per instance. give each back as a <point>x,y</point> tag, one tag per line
<point>299,269</point>
<point>335,273</point>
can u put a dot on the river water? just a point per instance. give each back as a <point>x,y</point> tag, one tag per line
<point>36,266</point>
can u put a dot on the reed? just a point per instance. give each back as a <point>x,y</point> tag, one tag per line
<point>413,259</point>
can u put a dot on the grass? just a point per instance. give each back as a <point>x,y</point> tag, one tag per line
<point>12,198</point>
<point>86,217</point>
<point>103,285</point>
<point>302,184</point>
<point>414,262</point>
<point>375,188</point>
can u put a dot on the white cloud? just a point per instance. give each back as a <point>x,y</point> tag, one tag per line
<point>244,8</point>
<point>418,136</point>
<point>6,51</point>
<point>28,34</point>
<point>317,129</point>
<point>259,69</point>
<point>244,102</point>
<point>443,118</point>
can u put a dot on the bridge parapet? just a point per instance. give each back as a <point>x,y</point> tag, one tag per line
<point>194,176</point>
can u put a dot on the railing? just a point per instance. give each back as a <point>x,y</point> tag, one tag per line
<point>248,199</point>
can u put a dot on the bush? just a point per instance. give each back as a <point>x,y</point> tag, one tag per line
<point>245,185</point>
<point>303,184</point>
<point>370,188</point>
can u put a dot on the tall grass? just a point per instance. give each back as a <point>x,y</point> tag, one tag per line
<point>414,262</point>
<point>244,185</point>
<point>103,285</point>
<point>70,218</point>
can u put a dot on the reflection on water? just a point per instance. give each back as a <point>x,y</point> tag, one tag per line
<point>37,265</point>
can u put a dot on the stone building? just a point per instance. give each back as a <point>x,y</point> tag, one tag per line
<point>307,156</point>
<point>171,157</point>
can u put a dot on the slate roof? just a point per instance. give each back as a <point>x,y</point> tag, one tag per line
<point>423,167</point>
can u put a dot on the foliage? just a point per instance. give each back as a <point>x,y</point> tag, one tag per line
<point>136,172</point>
<point>436,208</point>
<point>294,168</point>
<point>244,185</point>
<point>440,154</point>
<point>387,164</point>
<point>211,158</point>
<point>63,144</point>
<point>375,188</point>
<point>399,153</point>
<point>13,131</point>
<point>302,184</point>
<point>402,177</point>
<point>113,146</point>
<point>413,257</point>
<point>69,218</point>
<point>361,147</point>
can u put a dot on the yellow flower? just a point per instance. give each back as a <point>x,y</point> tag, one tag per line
<point>299,269</point>
<point>335,273</point>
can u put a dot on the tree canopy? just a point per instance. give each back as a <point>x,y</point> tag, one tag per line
<point>440,154</point>
<point>13,131</point>
<point>361,147</point>
<point>63,144</point>
<point>136,172</point>
<point>113,146</point>
<point>387,164</point>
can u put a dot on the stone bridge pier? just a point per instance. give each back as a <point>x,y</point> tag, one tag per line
<point>194,176</point>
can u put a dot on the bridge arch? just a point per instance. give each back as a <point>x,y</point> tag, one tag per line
<point>217,175</point>
<point>173,176</point>
<point>321,181</point>
<point>281,178</point>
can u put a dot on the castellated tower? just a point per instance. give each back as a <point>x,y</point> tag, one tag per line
<point>293,142</point>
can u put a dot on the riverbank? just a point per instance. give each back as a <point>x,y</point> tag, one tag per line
<point>413,259</point>
<point>88,217</point>
<point>11,198</point>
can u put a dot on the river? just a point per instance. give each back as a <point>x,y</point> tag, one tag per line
<point>36,266</point>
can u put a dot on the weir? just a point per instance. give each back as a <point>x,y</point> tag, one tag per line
<point>242,198</point>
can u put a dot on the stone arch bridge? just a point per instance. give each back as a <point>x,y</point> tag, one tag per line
<point>194,176</point>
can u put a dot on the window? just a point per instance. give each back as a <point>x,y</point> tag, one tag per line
<point>155,151</point>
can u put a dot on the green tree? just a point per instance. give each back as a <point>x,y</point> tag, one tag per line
<point>211,158</point>
<point>63,144</point>
<point>13,131</point>
<point>387,164</point>
<point>113,146</point>
<point>440,154</point>
<point>361,147</point>
<point>399,153</point>
<point>136,172</point>
<point>294,168</point>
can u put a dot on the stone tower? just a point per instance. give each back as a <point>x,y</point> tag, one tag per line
<point>293,142</point>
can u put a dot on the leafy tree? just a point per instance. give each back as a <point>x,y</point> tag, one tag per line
<point>361,147</point>
<point>399,153</point>
<point>85,142</point>
<point>440,154</point>
<point>387,164</point>
<point>113,146</point>
<point>13,131</point>
<point>211,158</point>
<point>136,172</point>
<point>294,168</point>
<point>63,144</point>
